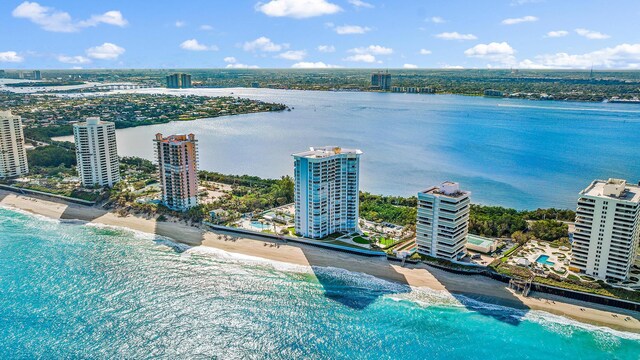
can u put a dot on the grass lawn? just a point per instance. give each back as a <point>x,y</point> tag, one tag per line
<point>360,240</point>
<point>386,242</point>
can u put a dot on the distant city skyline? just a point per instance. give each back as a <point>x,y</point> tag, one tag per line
<point>377,34</point>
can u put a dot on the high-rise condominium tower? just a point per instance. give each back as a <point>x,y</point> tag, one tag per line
<point>178,169</point>
<point>13,156</point>
<point>97,152</point>
<point>607,229</point>
<point>443,221</point>
<point>326,191</point>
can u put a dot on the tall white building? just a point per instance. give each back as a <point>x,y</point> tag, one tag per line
<point>443,221</point>
<point>96,152</point>
<point>607,229</point>
<point>326,191</point>
<point>13,156</point>
<point>178,170</point>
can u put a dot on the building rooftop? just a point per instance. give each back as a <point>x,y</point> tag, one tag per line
<point>326,151</point>
<point>175,138</point>
<point>92,121</point>
<point>613,189</point>
<point>447,189</point>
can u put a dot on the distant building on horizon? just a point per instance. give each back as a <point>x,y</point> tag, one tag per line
<point>179,81</point>
<point>326,191</point>
<point>443,221</point>
<point>13,155</point>
<point>36,75</point>
<point>607,229</point>
<point>96,152</point>
<point>381,80</point>
<point>177,157</point>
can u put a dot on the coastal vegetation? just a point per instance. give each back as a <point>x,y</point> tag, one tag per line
<point>392,209</point>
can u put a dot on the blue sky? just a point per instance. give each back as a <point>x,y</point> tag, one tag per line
<point>58,34</point>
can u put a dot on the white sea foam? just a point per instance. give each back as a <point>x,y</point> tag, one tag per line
<point>30,214</point>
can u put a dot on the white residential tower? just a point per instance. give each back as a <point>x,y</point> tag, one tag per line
<point>13,156</point>
<point>96,152</point>
<point>326,191</point>
<point>443,221</point>
<point>607,229</point>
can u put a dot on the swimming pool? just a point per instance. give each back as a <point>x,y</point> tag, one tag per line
<point>544,259</point>
<point>260,226</point>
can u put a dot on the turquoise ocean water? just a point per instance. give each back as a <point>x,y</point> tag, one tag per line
<point>70,290</point>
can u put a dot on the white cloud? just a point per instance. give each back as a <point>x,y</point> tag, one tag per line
<point>360,3</point>
<point>351,29</point>
<point>293,55</point>
<point>313,65</point>
<point>410,66</point>
<point>367,58</point>
<point>513,21</point>
<point>73,59</point>
<point>593,35</point>
<point>498,52</point>
<point>436,20</point>
<point>298,9</point>
<point>10,56</point>
<point>241,66</point>
<point>455,36</point>
<point>50,19</point>
<point>557,34</point>
<point>180,24</point>
<point>446,66</point>
<point>112,17</point>
<point>623,56</point>
<point>326,48</point>
<point>106,51</point>
<point>372,49</point>
<point>194,45</point>
<point>230,60</point>
<point>425,52</point>
<point>263,44</point>
<point>206,27</point>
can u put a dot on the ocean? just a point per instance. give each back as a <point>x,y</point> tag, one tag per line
<point>75,290</point>
<point>516,153</point>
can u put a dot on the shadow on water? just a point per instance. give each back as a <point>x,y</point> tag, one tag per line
<point>483,295</point>
<point>354,290</point>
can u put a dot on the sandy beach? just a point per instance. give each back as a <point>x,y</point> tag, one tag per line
<point>477,287</point>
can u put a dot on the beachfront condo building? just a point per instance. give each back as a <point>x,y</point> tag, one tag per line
<point>96,152</point>
<point>381,80</point>
<point>326,191</point>
<point>179,81</point>
<point>607,229</point>
<point>443,221</point>
<point>177,157</point>
<point>13,155</point>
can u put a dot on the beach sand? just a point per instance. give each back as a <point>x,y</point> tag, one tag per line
<point>473,286</point>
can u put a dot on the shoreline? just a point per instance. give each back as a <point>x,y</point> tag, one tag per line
<point>475,287</point>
